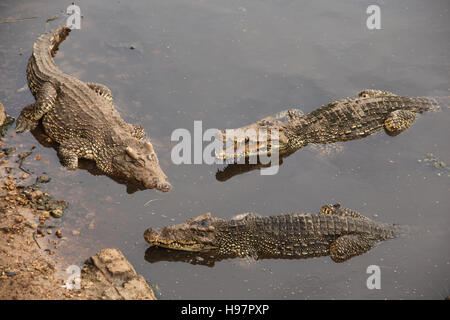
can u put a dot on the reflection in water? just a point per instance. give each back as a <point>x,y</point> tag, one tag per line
<point>208,258</point>
<point>157,254</point>
<point>234,169</point>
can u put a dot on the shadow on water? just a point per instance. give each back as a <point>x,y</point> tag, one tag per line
<point>156,254</point>
<point>233,169</point>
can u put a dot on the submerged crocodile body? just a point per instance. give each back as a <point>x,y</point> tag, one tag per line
<point>82,119</point>
<point>342,120</point>
<point>338,232</point>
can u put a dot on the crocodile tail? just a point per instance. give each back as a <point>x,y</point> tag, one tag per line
<point>391,231</point>
<point>54,38</point>
<point>443,101</point>
<point>400,230</point>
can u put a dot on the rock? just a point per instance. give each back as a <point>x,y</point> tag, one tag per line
<point>56,213</point>
<point>42,179</point>
<point>2,114</point>
<point>5,121</point>
<point>35,194</point>
<point>109,275</point>
<point>45,214</point>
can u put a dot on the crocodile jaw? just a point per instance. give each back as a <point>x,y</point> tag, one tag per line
<point>161,238</point>
<point>197,234</point>
<point>262,138</point>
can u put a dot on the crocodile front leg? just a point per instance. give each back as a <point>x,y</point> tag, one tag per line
<point>32,113</point>
<point>398,121</point>
<point>70,151</point>
<point>349,246</point>
<point>101,90</point>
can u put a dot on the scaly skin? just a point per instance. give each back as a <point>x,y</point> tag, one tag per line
<point>342,120</point>
<point>83,120</point>
<point>335,231</point>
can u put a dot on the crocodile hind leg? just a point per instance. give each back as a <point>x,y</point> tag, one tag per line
<point>32,113</point>
<point>287,114</point>
<point>101,90</point>
<point>349,246</point>
<point>336,209</point>
<point>398,121</point>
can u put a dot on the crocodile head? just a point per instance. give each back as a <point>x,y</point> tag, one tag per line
<point>138,161</point>
<point>196,234</point>
<point>262,138</point>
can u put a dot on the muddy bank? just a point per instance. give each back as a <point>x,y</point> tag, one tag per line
<point>28,269</point>
<point>29,238</point>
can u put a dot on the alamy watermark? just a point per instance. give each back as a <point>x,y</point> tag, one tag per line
<point>74,279</point>
<point>74,19</point>
<point>374,20</point>
<point>374,280</point>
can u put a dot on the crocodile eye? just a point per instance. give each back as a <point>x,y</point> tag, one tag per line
<point>140,163</point>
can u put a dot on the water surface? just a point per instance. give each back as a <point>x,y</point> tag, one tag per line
<point>229,63</point>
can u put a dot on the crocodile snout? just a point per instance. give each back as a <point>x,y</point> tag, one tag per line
<point>161,185</point>
<point>151,235</point>
<point>164,186</point>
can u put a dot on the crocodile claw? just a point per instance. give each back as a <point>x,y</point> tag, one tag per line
<point>24,124</point>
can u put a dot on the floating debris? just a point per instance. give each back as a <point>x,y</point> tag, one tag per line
<point>150,201</point>
<point>434,161</point>
<point>17,19</point>
<point>43,179</point>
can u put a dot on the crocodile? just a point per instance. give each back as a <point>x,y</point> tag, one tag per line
<point>338,232</point>
<point>82,119</point>
<point>341,120</point>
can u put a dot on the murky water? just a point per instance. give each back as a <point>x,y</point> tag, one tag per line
<point>229,63</point>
